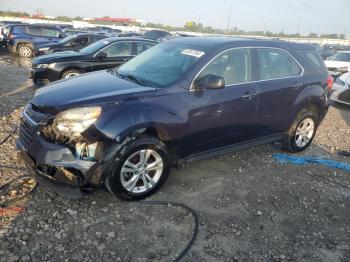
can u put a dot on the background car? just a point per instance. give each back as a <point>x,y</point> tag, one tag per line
<point>157,35</point>
<point>341,89</point>
<point>69,31</point>
<point>104,54</point>
<point>24,38</point>
<point>70,43</point>
<point>3,30</point>
<point>338,63</point>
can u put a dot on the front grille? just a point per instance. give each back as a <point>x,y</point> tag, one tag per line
<point>33,115</point>
<point>30,123</point>
<point>26,133</point>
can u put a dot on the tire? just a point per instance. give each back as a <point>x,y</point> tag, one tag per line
<point>71,73</point>
<point>120,183</point>
<point>25,51</point>
<point>302,132</point>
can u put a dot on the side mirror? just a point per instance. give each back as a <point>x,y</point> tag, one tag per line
<point>210,82</point>
<point>101,55</point>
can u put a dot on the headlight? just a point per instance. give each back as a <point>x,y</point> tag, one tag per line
<point>43,65</point>
<point>44,49</point>
<point>73,122</point>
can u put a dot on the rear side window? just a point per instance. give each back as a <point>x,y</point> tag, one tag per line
<point>314,61</point>
<point>50,32</point>
<point>233,65</point>
<point>275,64</point>
<point>33,30</point>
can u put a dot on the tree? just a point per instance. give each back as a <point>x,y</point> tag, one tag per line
<point>313,35</point>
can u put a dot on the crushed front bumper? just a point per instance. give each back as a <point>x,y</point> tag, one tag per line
<point>55,163</point>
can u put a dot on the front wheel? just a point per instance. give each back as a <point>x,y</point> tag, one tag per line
<point>302,131</point>
<point>140,169</point>
<point>25,51</point>
<point>71,73</point>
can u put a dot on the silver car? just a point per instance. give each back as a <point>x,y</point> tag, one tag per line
<point>341,89</point>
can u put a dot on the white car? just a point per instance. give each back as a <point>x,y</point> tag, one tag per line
<point>338,63</point>
<point>341,89</point>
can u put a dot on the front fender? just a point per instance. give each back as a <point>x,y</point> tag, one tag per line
<point>120,120</point>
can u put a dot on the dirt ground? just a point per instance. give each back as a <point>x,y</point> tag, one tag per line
<point>250,207</point>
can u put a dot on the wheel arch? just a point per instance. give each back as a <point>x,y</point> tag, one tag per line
<point>64,70</point>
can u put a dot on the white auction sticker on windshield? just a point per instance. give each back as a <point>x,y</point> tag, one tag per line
<point>105,42</point>
<point>193,52</point>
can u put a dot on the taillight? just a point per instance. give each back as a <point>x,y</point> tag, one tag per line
<point>11,36</point>
<point>330,82</point>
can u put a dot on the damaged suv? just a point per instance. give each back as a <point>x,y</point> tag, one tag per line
<point>182,100</point>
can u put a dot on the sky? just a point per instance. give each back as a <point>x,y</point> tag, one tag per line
<point>290,16</point>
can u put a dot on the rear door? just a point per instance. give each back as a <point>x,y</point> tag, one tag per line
<point>116,54</point>
<point>279,78</point>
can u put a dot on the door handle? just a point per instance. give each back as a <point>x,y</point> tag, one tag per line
<point>297,86</point>
<point>249,95</point>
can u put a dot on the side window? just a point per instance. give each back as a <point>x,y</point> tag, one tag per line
<point>119,49</point>
<point>34,30</point>
<point>233,65</point>
<point>82,41</point>
<point>141,47</point>
<point>275,63</point>
<point>314,61</point>
<point>50,32</point>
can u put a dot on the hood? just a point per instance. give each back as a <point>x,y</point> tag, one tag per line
<point>336,64</point>
<point>96,88</point>
<point>59,57</point>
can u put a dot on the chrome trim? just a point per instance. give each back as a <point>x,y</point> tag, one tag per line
<point>251,82</point>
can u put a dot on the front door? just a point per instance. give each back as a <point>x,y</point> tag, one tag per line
<point>116,54</point>
<point>222,117</point>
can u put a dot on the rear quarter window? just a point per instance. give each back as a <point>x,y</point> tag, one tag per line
<point>315,64</point>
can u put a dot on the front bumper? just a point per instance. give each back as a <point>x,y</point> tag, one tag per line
<point>43,76</point>
<point>56,163</point>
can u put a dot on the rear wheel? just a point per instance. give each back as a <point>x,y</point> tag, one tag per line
<point>302,131</point>
<point>141,169</point>
<point>25,51</point>
<point>71,73</point>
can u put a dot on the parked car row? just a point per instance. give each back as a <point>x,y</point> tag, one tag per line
<point>103,54</point>
<point>179,101</point>
<point>29,40</point>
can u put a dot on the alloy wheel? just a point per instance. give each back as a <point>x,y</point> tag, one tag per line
<point>141,171</point>
<point>71,75</point>
<point>25,51</point>
<point>304,132</point>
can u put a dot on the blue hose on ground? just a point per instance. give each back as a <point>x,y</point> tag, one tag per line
<point>301,160</point>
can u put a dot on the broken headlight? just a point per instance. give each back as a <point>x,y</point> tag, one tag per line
<point>73,122</point>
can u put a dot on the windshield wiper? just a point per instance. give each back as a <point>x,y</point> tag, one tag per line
<point>133,78</point>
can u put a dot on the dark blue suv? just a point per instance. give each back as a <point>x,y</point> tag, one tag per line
<point>23,39</point>
<point>182,100</point>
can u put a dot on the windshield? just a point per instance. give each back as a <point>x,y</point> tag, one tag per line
<point>163,64</point>
<point>93,48</point>
<point>344,57</point>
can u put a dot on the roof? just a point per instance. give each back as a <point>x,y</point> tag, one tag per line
<point>221,42</point>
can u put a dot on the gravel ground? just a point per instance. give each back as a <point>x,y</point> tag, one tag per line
<point>250,207</point>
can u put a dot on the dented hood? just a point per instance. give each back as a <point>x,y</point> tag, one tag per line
<point>88,89</point>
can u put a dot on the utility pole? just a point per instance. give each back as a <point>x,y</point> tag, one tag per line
<point>298,27</point>
<point>229,17</point>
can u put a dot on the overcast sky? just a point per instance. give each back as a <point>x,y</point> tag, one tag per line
<point>320,16</point>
